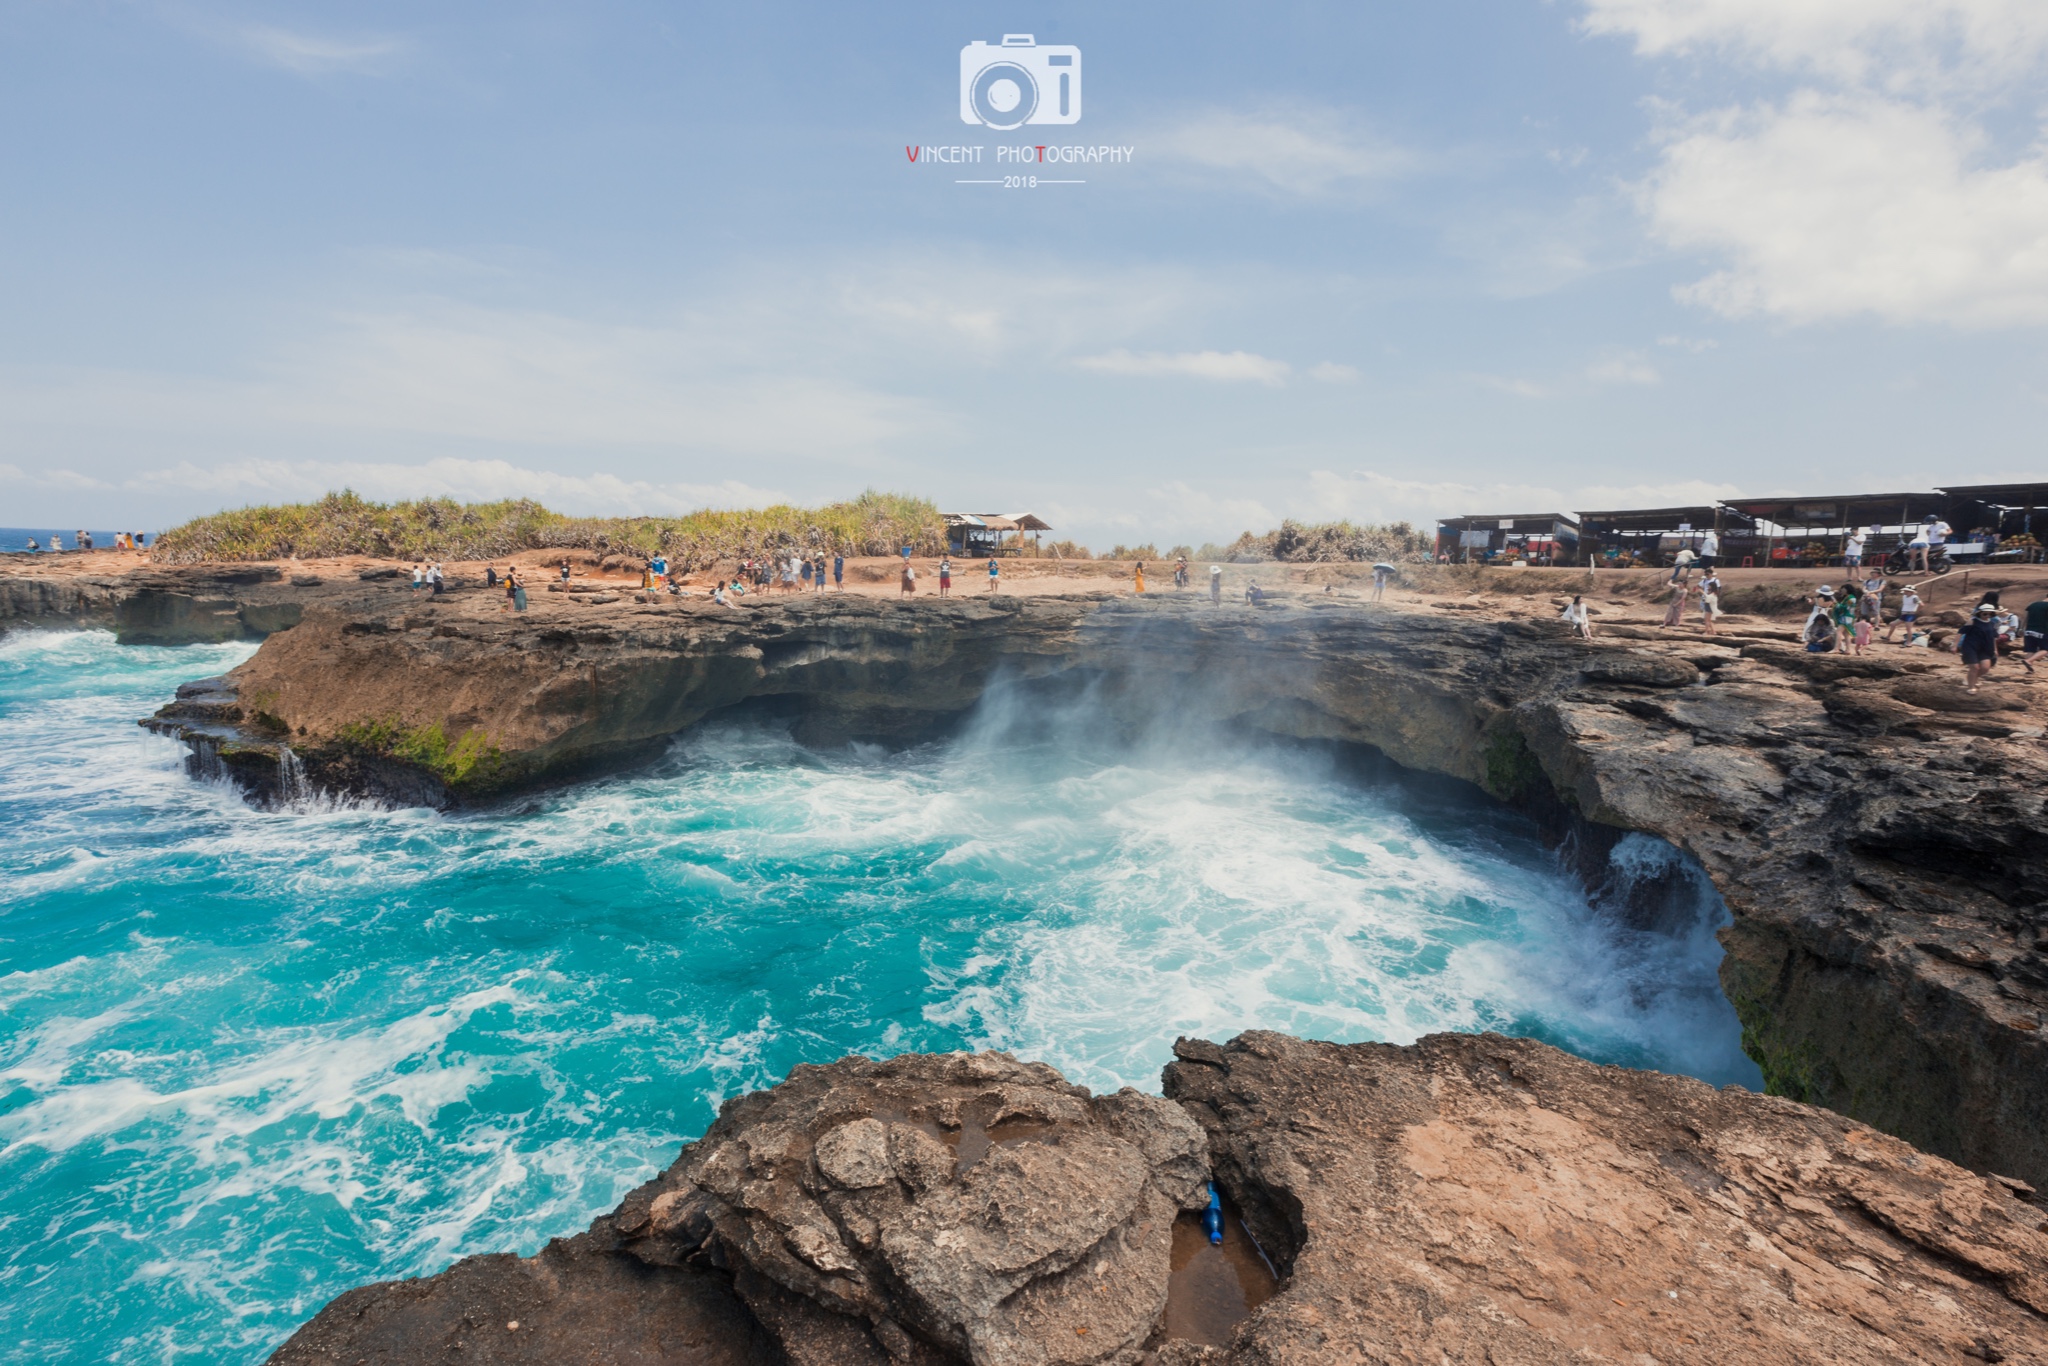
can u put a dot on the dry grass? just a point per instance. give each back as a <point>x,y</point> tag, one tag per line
<point>442,529</point>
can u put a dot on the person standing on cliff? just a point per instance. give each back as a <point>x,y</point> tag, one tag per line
<point>839,571</point>
<point>1977,643</point>
<point>1216,585</point>
<point>909,578</point>
<point>945,576</point>
<point>1710,602</point>
<point>1674,612</point>
<point>2034,634</point>
<point>1140,576</point>
<point>995,573</point>
<point>418,576</point>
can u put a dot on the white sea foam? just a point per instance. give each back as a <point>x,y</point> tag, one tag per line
<point>251,1058</point>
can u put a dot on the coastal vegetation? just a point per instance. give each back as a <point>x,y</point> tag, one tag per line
<point>346,523</point>
<point>1326,542</point>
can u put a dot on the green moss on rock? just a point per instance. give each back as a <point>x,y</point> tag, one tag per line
<point>469,763</point>
<point>1512,769</point>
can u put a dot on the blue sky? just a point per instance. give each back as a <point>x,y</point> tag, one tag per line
<point>1366,260</point>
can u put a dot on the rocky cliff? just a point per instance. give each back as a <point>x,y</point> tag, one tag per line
<point>1467,1199</point>
<point>1878,835</point>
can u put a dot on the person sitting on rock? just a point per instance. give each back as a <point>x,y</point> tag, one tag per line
<point>1254,594</point>
<point>1819,631</point>
<point>1579,616</point>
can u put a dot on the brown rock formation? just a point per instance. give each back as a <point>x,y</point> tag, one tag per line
<point>1482,1199</point>
<point>1468,1199</point>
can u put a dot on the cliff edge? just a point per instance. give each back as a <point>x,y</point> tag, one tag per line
<point>1464,1199</point>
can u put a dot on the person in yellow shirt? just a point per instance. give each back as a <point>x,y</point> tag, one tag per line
<point>1141,576</point>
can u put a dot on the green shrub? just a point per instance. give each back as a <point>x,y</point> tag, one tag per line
<point>1326,542</point>
<point>442,529</point>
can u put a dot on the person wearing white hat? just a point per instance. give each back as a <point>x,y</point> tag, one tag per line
<point>1216,584</point>
<point>1819,631</point>
<point>1909,612</point>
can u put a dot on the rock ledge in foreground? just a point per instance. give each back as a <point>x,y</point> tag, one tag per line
<point>1484,1199</point>
<point>1468,1199</point>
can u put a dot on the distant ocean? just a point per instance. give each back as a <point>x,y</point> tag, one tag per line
<point>14,539</point>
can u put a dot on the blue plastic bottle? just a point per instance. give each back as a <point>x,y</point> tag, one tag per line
<point>1212,1217</point>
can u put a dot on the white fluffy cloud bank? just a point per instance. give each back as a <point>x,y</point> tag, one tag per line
<point>1872,189</point>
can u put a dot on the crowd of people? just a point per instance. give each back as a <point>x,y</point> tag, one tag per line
<point>1847,618</point>
<point>82,540</point>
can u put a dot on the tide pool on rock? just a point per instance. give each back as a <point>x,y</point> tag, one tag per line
<point>250,1059</point>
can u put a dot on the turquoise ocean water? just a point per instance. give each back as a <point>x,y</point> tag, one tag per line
<point>249,1059</point>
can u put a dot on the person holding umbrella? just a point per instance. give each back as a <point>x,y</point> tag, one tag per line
<point>1381,572</point>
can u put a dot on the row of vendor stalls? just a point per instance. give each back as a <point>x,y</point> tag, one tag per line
<point>2009,520</point>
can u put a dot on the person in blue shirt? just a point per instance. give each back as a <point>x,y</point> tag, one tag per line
<point>995,572</point>
<point>839,572</point>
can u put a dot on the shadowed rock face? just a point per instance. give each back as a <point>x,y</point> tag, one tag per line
<point>1467,1199</point>
<point>1482,1199</point>
<point>573,1303</point>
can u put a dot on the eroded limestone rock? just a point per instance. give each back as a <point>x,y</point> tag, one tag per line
<point>964,1204</point>
<point>1483,1199</point>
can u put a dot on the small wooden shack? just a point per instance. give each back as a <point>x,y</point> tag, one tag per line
<point>982,533</point>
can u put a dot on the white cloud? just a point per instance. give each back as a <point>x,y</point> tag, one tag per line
<point>1626,368</point>
<point>1330,372</point>
<point>1367,495</point>
<point>1300,152</point>
<point>1222,366</point>
<point>1892,42</point>
<point>310,54</point>
<point>1829,206</point>
<point>525,378</point>
<point>1000,310</point>
<point>1876,189</point>
<point>1692,344</point>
